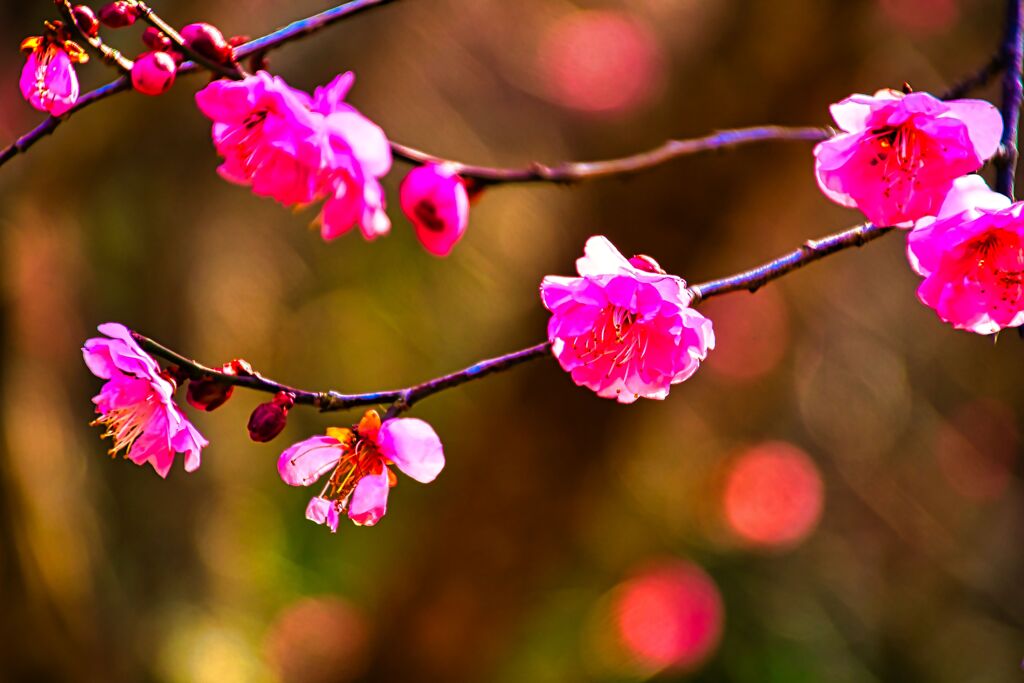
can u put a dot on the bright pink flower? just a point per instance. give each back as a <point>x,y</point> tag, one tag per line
<point>898,155</point>
<point>358,460</point>
<point>624,329</point>
<point>300,149</point>
<point>434,198</point>
<point>48,80</point>
<point>136,404</point>
<point>972,258</point>
<point>269,138</point>
<point>358,154</point>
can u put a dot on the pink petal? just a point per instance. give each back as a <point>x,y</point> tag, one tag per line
<point>369,501</point>
<point>306,461</point>
<point>329,97</point>
<point>413,446</point>
<point>364,138</point>
<point>971,193</point>
<point>851,115</point>
<point>323,511</point>
<point>984,124</point>
<point>600,257</point>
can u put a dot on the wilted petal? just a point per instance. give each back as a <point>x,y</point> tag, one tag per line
<point>323,511</point>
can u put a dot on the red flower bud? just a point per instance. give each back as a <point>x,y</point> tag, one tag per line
<point>646,263</point>
<point>118,14</point>
<point>235,41</point>
<point>208,41</point>
<point>86,20</point>
<point>155,39</point>
<point>153,73</point>
<point>268,419</point>
<point>209,393</point>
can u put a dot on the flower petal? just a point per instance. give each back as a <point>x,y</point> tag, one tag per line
<point>413,446</point>
<point>306,461</point>
<point>369,501</point>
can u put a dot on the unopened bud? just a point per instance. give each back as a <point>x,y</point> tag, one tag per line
<point>270,418</point>
<point>153,73</point>
<point>155,39</point>
<point>86,20</point>
<point>210,393</point>
<point>646,263</point>
<point>208,41</point>
<point>118,14</point>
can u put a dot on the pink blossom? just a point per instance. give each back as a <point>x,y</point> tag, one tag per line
<point>136,404</point>
<point>358,459</point>
<point>48,80</point>
<point>269,138</point>
<point>358,154</point>
<point>624,329</point>
<point>971,256</point>
<point>299,149</point>
<point>434,198</point>
<point>898,155</point>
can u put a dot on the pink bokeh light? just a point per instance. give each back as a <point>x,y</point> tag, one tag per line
<point>921,16</point>
<point>670,615</point>
<point>600,62</point>
<point>322,639</point>
<point>773,495</point>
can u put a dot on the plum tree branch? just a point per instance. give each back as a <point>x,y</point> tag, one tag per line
<point>1013,96</point>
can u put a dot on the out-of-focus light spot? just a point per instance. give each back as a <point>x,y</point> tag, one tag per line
<point>751,334</point>
<point>601,62</point>
<point>204,649</point>
<point>921,16</point>
<point>773,495</point>
<point>317,640</point>
<point>669,616</point>
<point>976,448</point>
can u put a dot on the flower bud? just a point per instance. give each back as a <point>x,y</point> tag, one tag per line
<point>434,198</point>
<point>646,263</point>
<point>208,41</point>
<point>155,39</point>
<point>210,393</point>
<point>86,20</point>
<point>153,73</point>
<point>118,14</point>
<point>270,418</point>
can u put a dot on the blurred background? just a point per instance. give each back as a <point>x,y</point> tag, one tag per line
<point>832,497</point>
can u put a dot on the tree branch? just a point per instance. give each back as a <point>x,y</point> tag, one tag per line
<point>575,171</point>
<point>1013,95</point>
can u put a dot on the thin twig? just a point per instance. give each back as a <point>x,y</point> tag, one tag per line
<point>1013,95</point>
<point>154,20</point>
<point>575,171</point>
<point>330,400</point>
<point>108,54</point>
<point>808,252</point>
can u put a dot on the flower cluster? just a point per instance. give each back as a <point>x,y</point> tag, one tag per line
<point>904,160</point>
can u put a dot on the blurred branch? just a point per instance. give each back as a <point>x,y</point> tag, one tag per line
<point>1013,96</point>
<point>575,171</point>
<point>806,253</point>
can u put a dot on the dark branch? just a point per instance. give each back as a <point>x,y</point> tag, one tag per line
<point>1013,95</point>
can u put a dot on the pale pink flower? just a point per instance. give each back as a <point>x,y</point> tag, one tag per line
<point>358,459</point>
<point>898,154</point>
<point>435,199</point>
<point>136,404</point>
<point>269,138</point>
<point>624,328</point>
<point>971,256</point>
<point>48,80</point>
<point>358,154</point>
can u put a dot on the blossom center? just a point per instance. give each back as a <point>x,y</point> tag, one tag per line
<point>126,424</point>
<point>995,260</point>
<point>614,337</point>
